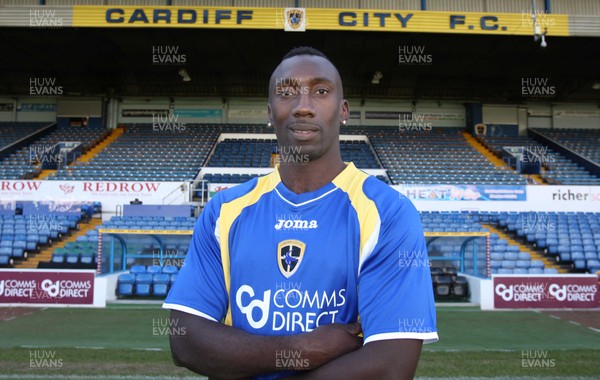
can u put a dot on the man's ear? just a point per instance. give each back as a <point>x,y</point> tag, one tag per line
<point>269,113</point>
<point>345,112</point>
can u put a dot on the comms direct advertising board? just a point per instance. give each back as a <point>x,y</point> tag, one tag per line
<point>546,292</point>
<point>42,287</point>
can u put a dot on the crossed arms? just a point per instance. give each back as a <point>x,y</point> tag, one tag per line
<point>330,351</point>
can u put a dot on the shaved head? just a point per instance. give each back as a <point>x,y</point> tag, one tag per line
<point>279,71</point>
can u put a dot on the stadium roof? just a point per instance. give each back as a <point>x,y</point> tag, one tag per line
<point>233,63</point>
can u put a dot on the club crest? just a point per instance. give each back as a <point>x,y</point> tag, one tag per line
<point>294,17</point>
<point>289,256</point>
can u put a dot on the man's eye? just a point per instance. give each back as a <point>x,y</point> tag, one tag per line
<point>285,92</point>
<point>322,91</point>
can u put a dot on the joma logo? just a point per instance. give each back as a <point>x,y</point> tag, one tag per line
<point>295,224</point>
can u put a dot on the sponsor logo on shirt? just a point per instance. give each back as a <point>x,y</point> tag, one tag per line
<point>286,309</point>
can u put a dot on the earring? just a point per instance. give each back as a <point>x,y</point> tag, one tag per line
<point>269,124</point>
<point>344,122</point>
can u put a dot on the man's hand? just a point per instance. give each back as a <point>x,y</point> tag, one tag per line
<point>328,342</point>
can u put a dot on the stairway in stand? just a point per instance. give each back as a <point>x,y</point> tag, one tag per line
<point>45,254</point>
<point>109,139</point>
<point>478,146</point>
<point>548,262</point>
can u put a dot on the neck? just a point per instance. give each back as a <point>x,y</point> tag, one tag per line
<point>310,177</point>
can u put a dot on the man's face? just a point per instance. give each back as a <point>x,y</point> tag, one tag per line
<point>306,107</point>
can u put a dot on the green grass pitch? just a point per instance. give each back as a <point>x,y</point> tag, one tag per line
<point>126,341</point>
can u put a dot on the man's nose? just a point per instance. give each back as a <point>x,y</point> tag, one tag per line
<point>304,104</point>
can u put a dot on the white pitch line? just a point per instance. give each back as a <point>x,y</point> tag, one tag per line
<point>575,323</point>
<point>94,348</point>
<point>594,329</point>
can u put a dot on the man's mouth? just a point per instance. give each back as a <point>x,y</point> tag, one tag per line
<point>303,132</point>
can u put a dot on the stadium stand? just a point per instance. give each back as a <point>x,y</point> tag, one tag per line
<point>143,153</point>
<point>11,132</point>
<point>441,156</point>
<point>257,153</point>
<point>11,167</point>
<point>585,142</point>
<point>506,257</point>
<point>24,163</point>
<point>559,168</point>
<point>22,235</point>
<point>568,238</point>
<point>150,223</point>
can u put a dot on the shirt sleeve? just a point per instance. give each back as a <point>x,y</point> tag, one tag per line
<point>395,290</point>
<point>200,285</point>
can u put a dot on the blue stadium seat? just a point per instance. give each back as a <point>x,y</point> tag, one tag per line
<point>509,255</point>
<point>125,284</point>
<point>537,264</point>
<point>524,256</point>
<point>87,257</point>
<point>523,263</point>
<point>496,255</point>
<point>143,283</point>
<point>153,269</point>
<point>5,259</point>
<point>137,269</point>
<point>170,269</point>
<point>19,248</point>
<point>160,284</point>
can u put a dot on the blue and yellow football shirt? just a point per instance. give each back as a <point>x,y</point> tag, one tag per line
<point>272,262</point>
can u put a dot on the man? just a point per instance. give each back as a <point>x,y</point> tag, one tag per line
<point>298,263</point>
